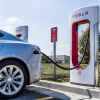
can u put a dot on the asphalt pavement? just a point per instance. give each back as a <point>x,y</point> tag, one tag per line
<point>32,95</point>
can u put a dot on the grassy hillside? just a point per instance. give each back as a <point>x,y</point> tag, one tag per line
<point>48,72</point>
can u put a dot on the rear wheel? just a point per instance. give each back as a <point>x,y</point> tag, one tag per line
<point>12,78</point>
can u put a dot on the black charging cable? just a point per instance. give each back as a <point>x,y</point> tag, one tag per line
<point>62,67</point>
<point>55,63</point>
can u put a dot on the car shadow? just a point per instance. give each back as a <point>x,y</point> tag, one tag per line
<point>31,95</point>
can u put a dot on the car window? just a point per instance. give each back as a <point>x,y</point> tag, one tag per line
<point>1,35</point>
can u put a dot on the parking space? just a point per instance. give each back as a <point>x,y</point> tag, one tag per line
<point>32,95</point>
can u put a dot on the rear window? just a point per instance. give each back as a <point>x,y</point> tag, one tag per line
<point>1,34</point>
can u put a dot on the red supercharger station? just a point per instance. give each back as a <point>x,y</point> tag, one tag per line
<point>54,31</point>
<point>22,32</point>
<point>84,45</point>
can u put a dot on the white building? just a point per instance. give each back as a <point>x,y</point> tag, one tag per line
<point>62,59</point>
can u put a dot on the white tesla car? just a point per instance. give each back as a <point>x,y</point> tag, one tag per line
<point>19,64</point>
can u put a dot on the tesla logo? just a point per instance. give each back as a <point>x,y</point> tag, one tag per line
<point>80,14</point>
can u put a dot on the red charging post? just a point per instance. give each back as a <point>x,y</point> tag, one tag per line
<point>54,31</point>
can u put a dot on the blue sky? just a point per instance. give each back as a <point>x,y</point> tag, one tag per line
<point>41,15</point>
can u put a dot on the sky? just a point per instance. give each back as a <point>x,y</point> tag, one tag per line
<point>40,16</point>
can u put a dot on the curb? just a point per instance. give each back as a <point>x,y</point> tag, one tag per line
<point>50,92</point>
<point>68,87</point>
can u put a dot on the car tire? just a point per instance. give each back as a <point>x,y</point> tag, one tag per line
<point>12,78</point>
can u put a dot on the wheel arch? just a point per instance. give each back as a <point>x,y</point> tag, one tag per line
<point>23,63</point>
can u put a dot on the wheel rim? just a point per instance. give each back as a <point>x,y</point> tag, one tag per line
<point>11,80</point>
